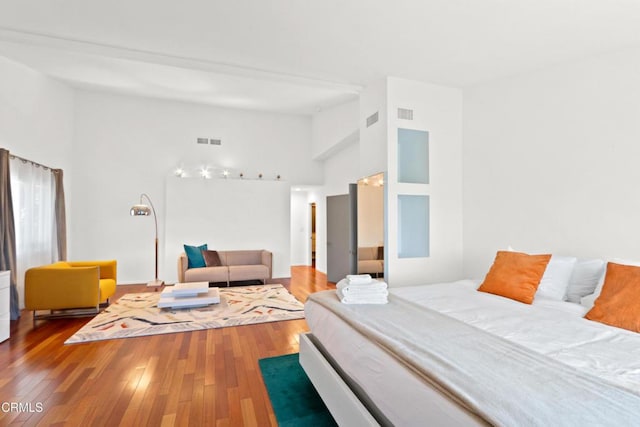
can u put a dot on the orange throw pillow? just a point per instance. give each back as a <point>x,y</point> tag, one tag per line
<point>515,275</point>
<point>619,302</point>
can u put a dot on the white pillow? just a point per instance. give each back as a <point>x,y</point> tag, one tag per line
<point>589,300</point>
<point>584,279</point>
<point>555,280</point>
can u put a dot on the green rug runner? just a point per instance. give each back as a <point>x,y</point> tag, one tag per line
<point>294,399</point>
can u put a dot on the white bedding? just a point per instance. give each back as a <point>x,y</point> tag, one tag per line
<point>390,385</point>
<point>554,329</point>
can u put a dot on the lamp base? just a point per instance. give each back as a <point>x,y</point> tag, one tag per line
<point>156,283</point>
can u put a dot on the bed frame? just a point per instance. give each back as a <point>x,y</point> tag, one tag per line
<point>350,405</point>
<point>344,404</point>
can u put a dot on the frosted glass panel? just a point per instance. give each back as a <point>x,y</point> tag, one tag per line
<point>413,226</point>
<point>413,156</point>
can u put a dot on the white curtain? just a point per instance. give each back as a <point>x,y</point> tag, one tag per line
<point>33,191</point>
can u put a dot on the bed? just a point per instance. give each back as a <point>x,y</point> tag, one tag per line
<point>446,354</point>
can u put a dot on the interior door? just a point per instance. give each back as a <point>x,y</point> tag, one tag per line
<point>339,237</point>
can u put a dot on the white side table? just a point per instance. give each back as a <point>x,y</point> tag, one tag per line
<point>5,302</point>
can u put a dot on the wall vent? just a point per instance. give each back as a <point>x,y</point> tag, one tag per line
<point>209,141</point>
<point>372,119</point>
<point>405,114</point>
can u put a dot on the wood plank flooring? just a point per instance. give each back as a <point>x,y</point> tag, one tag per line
<point>201,378</point>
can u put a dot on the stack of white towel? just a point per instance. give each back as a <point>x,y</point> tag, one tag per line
<point>362,289</point>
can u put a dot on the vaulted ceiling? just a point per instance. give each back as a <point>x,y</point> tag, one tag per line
<point>298,56</point>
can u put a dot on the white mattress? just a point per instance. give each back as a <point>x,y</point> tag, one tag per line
<point>555,329</point>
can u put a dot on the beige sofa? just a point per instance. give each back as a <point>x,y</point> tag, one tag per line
<point>236,266</point>
<point>370,261</point>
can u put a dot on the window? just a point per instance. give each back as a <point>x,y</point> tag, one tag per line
<point>33,194</point>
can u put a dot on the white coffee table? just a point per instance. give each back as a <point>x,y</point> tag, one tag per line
<point>188,295</point>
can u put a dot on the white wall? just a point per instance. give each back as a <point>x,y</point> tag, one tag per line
<point>37,119</point>
<point>335,134</point>
<point>551,162</point>
<point>36,116</point>
<point>36,123</point>
<point>373,139</point>
<point>227,214</point>
<point>334,128</point>
<point>437,110</point>
<point>300,228</point>
<point>340,170</point>
<point>125,146</point>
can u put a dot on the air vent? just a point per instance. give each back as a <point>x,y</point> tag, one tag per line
<point>210,141</point>
<point>405,114</point>
<point>372,119</point>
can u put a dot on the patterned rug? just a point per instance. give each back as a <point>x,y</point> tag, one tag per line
<point>136,315</point>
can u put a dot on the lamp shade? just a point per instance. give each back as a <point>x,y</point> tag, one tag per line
<point>140,210</point>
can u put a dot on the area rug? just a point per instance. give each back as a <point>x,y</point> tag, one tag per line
<point>136,315</point>
<point>294,399</point>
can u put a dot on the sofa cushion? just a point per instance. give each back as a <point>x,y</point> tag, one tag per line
<point>211,258</point>
<point>243,258</point>
<point>207,274</point>
<point>59,264</point>
<point>367,253</point>
<point>248,272</point>
<point>370,266</point>
<point>107,289</point>
<point>194,255</point>
<point>70,284</point>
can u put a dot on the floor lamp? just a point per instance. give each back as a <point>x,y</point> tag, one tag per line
<point>144,210</point>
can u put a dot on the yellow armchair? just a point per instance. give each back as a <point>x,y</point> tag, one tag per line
<point>70,285</point>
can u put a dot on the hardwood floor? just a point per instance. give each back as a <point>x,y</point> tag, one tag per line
<point>201,378</point>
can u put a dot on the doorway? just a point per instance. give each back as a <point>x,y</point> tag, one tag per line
<point>313,234</point>
<point>342,235</point>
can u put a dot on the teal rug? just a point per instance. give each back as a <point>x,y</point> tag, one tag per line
<point>294,399</point>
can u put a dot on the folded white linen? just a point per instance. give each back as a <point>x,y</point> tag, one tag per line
<point>365,294</point>
<point>359,279</point>
<point>374,285</point>
<point>375,299</point>
<point>368,301</point>
<point>358,276</point>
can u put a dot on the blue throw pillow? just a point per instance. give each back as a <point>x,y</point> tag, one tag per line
<point>194,255</point>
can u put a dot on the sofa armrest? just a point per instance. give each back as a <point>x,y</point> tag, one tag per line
<point>59,288</point>
<point>108,268</point>
<point>183,265</point>
<point>267,259</point>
